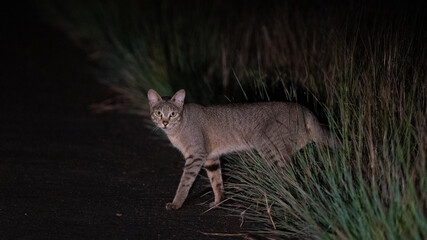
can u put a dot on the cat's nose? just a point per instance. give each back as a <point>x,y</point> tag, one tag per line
<point>165,123</point>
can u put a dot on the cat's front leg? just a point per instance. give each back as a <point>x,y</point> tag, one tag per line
<point>192,167</point>
<point>213,169</point>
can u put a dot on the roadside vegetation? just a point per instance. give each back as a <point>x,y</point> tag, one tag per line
<point>360,68</point>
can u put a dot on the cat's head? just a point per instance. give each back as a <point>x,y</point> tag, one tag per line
<point>166,112</point>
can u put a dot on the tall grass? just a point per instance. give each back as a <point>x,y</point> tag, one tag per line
<point>362,68</point>
<point>141,45</point>
<point>373,188</point>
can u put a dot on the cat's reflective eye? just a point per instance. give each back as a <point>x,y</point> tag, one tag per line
<point>173,114</point>
<point>159,114</point>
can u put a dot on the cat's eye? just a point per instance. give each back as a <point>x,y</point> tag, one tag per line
<point>173,114</point>
<point>158,113</point>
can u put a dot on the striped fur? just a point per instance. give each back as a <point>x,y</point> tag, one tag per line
<point>202,134</point>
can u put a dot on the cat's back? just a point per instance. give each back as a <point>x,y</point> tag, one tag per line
<point>243,117</point>
<point>257,111</point>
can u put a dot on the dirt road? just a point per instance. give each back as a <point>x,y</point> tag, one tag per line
<point>68,174</point>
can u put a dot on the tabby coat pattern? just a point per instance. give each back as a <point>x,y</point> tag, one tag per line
<point>275,130</point>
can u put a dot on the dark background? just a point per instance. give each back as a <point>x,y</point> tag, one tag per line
<point>66,173</point>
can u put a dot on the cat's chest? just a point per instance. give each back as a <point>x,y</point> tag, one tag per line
<point>177,142</point>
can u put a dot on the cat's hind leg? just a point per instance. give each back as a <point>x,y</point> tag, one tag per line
<point>275,153</point>
<point>213,170</point>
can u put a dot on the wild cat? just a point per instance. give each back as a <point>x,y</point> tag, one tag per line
<point>276,130</point>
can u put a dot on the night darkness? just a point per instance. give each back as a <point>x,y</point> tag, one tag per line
<point>77,160</point>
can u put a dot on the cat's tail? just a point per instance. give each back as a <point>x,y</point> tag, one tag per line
<point>320,134</point>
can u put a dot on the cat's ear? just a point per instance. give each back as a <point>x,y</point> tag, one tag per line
<point>153,97</point>
<point>179,97</point>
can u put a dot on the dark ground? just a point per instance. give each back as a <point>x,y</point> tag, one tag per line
<point>68,174</point>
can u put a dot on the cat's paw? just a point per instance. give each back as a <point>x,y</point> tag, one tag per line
<point>171,206</point>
